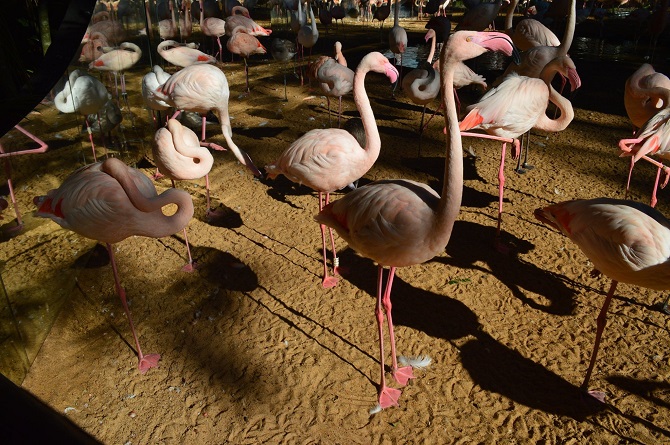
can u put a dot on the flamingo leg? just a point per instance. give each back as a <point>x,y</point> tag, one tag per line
<point>339,113</point>
<point>246,73</point>
<point>387,396</point>
<point>190,266</point>
<point>654,200</point>
<point>8,171</point>
<point>601,321</point>
<point>336,261</point>
<point>90,137</point>
<point>401,375</point>
<point>148,361</point>
<point>328,281</point>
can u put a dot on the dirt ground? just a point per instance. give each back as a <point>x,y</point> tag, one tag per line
<point>254,350</point>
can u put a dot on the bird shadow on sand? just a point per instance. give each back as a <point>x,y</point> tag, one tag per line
<point>281,187</point>
<point>492,365</point>
<point>472,243</point>
<point>260,133</point>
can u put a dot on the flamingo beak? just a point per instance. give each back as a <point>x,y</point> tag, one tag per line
<point>391,72</point>
<point>498,41</point>
<point>573,77</point>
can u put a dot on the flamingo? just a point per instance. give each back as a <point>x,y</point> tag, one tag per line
<point>179,156</point>
<point>325,17</point>
<point>244,45</point>
<point>182,55</point>
<point>337,12</point>
<point>517,105</point>
<point>652,138</point>
<point>167,29</point>
<point>7,155</point>
<point>307,37</point>
<point>201,88</point>
<point>92,47</point>
<point>627,241</point>
<point>185,24</point>
<point>109,202</point>
<point>329,159</point>
<point>250,27</point>
<point>83,94</point>
<point>422,85</point>
<point>282,50</point>
<point>298,20</point>
<point>397,36</point>
<point>150,83</point>
<point>645,94</point>
<point>400,223</point>
<point>213,27</point>
<point>528,33</point>
<point>118,60</point>
<point>381,13</point>
<point>334,78</point>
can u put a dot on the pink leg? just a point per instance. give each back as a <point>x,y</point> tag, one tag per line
<point>401,375</point>
<point>146,362</point>
<point>8,171</point>
<point>218,40</point>
<point>204,124</point>
<point>190,266</point>
<point>501,187</point>
<point>339,113</point>
<point>387,396</point>
<point>336,261</point>
<point>90,137</point>
<point>600,326</point>
<point>328,281</point>
<point>653,193</point>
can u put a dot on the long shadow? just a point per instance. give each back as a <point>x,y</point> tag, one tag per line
<point>492,366</point>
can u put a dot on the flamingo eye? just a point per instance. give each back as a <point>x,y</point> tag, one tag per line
<point>468,39</point>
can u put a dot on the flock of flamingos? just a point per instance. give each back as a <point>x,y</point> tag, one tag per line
<point>394,222</point>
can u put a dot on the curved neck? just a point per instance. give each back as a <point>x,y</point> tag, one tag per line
<point>61,100</point>
<point>566,42</point>
<point>431,54</point>
<point>452,189</point>
<point>373,141</point>
<point>161,225</point>
<point>396,13</point>
<point>509,18</point>
<point>544,123</point>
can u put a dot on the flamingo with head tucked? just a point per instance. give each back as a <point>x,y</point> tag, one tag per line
<point>326,160</point>
<point>109,202</point>
<point>400,223</point>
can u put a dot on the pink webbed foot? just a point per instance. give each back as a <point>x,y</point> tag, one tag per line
<point>218,216</point>
<point>388,397</point>
<point>598,395</point>
<point>148,361</point>
<point>501,247</point>
<point>402,375</point>
<point>329,282</point>
<point>189,267</point>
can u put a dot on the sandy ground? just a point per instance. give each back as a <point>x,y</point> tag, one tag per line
<point>254,350</point>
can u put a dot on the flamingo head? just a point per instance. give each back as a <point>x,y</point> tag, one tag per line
<point>430,34</point>
<point>464,45</point>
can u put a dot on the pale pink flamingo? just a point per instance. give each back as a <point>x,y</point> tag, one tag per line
<point>514,107</point>
<point>118,60</point>
<point>652,139</point>
<point>250,27</point>
<point>201,88</point>
<point>645,94</point>
<point>92,47</point>
<point>213,27</point>
<point>628,242</point>
<point>82,94</point>
<point>244,45</point>
<point>422,85</point>
<point>168,28</point>
<point>185,23</point>
<point>109,202</point>
<point>399,223</point>
<point>150,83</point>
<point>334,79</point>
<point>178,154</point>
<point>7,155</point>
<point>528,33</point>
<point>182,55</point>
<point>326,160</point>
<point>397,37</point>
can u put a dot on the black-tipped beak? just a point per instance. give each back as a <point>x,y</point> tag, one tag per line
<point>516,55</point>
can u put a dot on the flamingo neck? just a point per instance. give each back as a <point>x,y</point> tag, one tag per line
<point>566,43</point>
<point>396,14</point>
<point>431,54</point>
<point>544,123</point>
<point>373,141</point>
<point>509,18</point>
<point>452,189</point>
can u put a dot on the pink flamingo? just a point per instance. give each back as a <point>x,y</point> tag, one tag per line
<point>400,223</point>
<point>330,159</point>
<point>250,27</point>
<point>397,37</point>
<point>150,83</point>
<point>244,45</point>
<point>168,29</point>
<point>182,55</point>
<point>334,78</point>
<point>645,94</point>
<point>307,38</point>
<point>92,47</point>
<point>185,24</point>
<point>652,138</point>
<point>201,88</point>
<point>83,94</point>
<point>108,202</point>
<point>178,154</point>
<point>528,33</point>
<point>7,155</point>
<point>213,27</point>
<point>625,240</point>
<point>118,60</point>
<point>514,107</point>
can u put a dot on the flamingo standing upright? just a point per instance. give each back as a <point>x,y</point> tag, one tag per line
<point>185,23</point>
<point>514,107</point>
<point>7,155</point>
<point>400,223</point>
<point>240,20</point>
<point>307,37</point>
<point>334,78</point>
<point>150,83</point>
<point>528,33</point>
<point>168,29</point>
<point>330,159</point>
<point>627,241</point>
<point>244,45</point>
<point>109,202</point>
<point>201,88</point>
<point>82,94</point>
<point>397,37</point>
<point>117,61</point>
<point>337,12</point>
<point>382,12</point>
<point>213,27</point>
